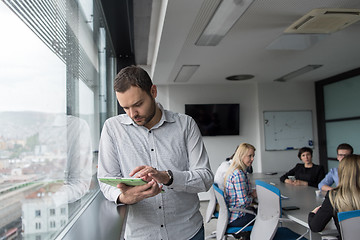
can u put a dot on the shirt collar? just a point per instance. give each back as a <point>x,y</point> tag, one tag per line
<point>166,116</point>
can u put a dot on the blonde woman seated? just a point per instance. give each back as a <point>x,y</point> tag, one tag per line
<point>238,192</point>
<point>345,197</point>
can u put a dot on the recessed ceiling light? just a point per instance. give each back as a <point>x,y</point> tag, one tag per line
<point>295,42</point>
<point>226,15</point>
<point>240,77</point>
<point>186,72</point>
<point>298,72</point>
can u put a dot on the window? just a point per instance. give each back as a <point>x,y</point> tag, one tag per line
<point>37,225</point>
<point>62,222</point>
<point>52,224</point>
<point>63,211</point>
<point>37,213</point>
<point>49,110</point>
<point>338,114</point>
<point>52,212</point>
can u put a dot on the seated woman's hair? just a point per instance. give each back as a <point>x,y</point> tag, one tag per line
<point>304,149</point>
<point>237,162</point>
<point>346,196</point>
<point>240,153</point>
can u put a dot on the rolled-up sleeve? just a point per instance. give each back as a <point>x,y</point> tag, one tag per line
<point>328,180</point>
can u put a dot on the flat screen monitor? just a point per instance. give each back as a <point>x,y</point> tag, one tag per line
<point>215,119</point>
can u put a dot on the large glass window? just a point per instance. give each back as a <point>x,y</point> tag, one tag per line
<point>49,113</point>
<point>338,114</point>
<point>342,114</point>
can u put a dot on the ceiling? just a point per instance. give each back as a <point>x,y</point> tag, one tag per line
<point>161,35</point>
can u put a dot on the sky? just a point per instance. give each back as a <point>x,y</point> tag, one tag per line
<point>32,77</point>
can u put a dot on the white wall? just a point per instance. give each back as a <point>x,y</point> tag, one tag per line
<point>254,98</point>
<point>286,96</point>
<point>219,147</point>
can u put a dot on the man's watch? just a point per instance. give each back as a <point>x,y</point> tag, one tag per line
<point>171,176</point>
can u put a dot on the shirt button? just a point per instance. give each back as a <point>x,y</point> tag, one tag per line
<point>159,207</point>
<point>162,225</point>
<point>152,149</point>
<point>150,131</point>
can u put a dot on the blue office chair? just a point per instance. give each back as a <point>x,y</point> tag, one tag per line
<point>222,228</point>
<point>268,218</point>
<point>349,224</point>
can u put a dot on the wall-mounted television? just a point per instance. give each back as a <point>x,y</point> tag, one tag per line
<point>215,119</point>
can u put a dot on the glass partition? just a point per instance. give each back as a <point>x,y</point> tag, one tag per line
<point>342,99</point>
<point>342,132</point>
<point>338,114</point>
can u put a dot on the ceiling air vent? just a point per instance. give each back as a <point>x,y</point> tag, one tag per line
<point>325,20</point>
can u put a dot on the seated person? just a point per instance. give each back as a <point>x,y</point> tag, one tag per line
<point>306,174</point>
<point>345,197</point>
<point>238,191</point>
<point>332,177</point>
<point>221,171</point>
<point>219,177</point>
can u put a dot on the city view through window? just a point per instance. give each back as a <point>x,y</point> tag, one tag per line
<point>48,134</point>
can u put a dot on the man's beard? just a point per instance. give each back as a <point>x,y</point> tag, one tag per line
<point>149,117</point>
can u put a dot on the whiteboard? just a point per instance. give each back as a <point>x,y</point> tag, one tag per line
<point>286,130</point>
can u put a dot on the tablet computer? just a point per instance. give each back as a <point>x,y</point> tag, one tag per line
<point>114,181</point>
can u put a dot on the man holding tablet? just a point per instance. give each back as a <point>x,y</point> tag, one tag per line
<point>161,147</point>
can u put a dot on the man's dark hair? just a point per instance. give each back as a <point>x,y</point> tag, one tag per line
<point>304,149</point>
<point>345,146</point>
<point>132,76</point>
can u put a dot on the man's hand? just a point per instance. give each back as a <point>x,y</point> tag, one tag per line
<point>148,173</point>
<point>326,188</point>
<point>131,195</point>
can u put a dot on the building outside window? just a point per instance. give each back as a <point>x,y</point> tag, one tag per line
<point>52,57</point>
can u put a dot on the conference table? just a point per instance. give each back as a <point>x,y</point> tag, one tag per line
<point>303,197</point>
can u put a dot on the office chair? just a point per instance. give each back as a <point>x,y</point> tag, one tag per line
<point>349,224</point>
<point>268,218</point>
<point>222,228</point>
<point>211,212</point>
